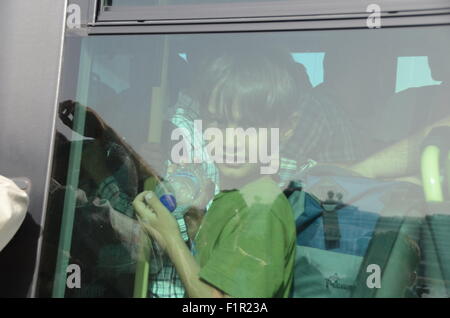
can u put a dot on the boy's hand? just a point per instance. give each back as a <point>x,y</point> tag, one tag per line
<point>156,219</point>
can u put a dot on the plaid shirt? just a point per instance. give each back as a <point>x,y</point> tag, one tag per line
<point>164,280</point>
<point>323,134</point>
<point>186,111</point>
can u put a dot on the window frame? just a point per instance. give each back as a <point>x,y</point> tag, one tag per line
<point>306,10</point>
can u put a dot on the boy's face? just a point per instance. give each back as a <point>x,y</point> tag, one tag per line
<point>237,148</point>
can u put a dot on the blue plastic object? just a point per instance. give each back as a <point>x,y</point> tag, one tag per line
<point>169,201</point>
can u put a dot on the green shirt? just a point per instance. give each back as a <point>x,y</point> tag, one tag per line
<point>246,244</point>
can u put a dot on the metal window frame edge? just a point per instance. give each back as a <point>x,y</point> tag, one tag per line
<point>442,18</point>
<point>224,12</point>
<point>34,283</point>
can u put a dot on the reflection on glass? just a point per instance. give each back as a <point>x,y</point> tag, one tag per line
<point>217,126</point>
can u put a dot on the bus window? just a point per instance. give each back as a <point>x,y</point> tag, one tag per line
<point>146,111</point>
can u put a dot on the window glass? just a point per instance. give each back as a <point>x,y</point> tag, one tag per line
<point>313,63</point>
<point>295,164</point>
<point>413,71</point>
